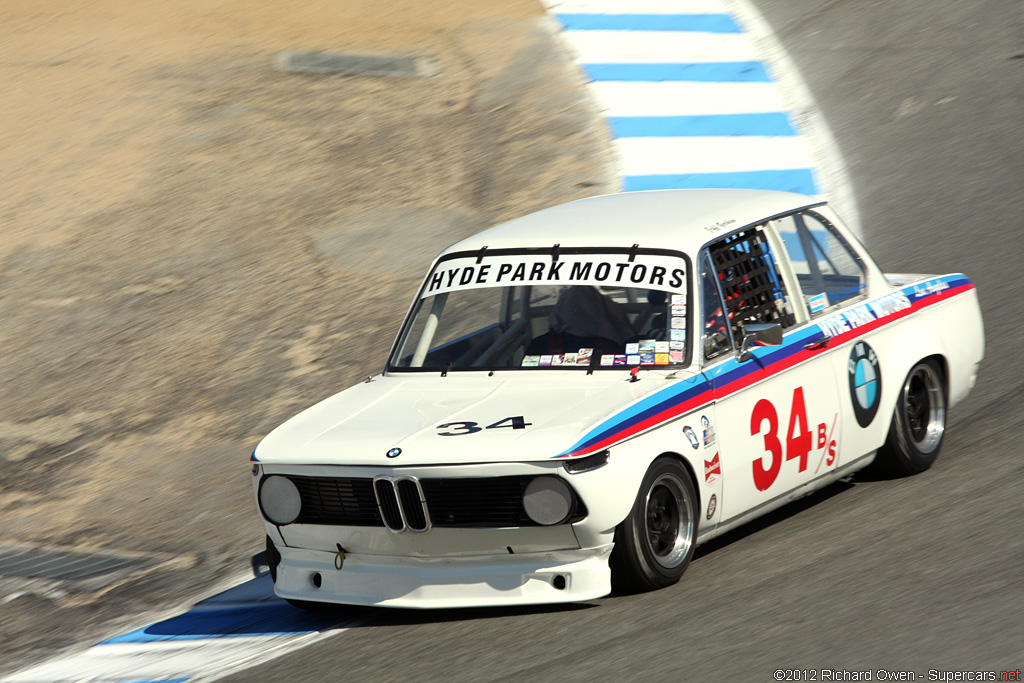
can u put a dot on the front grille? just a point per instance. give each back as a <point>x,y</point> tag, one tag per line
<point>412,506</point>
<point>388,502</point>
<point>496,502</point>
<point>337,500</point>
<point>491,502</point>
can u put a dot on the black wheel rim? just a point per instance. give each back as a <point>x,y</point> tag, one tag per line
<point>924,408</point>
<point>668,523</point>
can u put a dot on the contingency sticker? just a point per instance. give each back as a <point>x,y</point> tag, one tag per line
<point>709,431</point>
<point>712,470</point>
<point>818,302</point>
<point>583,356</point>
<point>632,349</point>
<point>531,361</point>
<point>691,436</point>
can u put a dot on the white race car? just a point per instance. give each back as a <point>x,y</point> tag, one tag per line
<point>580,397</point>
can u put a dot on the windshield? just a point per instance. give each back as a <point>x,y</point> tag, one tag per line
<point>543,311</point>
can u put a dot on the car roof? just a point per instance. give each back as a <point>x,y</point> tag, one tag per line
<point>667,219</point>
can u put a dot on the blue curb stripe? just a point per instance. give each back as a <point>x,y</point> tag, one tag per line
<point>772,124</point>
<point>702,72</point>
<point>707,23</point>
<point>799,180</point>
<point>265,620</point>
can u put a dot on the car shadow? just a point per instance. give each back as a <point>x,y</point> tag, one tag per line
<point>783,513</point>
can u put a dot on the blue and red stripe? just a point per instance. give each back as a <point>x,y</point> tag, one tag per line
<point>680,399</point>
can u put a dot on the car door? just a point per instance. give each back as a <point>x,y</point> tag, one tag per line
<point>832,281</point>
<point>777,414</point>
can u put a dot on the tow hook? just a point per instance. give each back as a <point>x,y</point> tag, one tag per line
<point>339,559</point>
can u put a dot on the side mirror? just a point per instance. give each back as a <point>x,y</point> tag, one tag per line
<point>769,334</point>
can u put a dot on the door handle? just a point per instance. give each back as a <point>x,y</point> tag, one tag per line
<point>820,343</point>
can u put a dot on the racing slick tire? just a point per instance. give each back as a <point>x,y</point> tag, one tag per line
<point>655,543</point>
<point>918,423</point>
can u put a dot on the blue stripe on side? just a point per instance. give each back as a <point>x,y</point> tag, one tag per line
<point>793,180</point>
<point>769,124</point>
<point>703,72</point>
<point>768,356</point>
<point>259,620</point>
<point>708,23</point>
<point>920,291</point>
<point>641,410</point>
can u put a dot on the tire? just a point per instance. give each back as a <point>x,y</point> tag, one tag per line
<point>655,543</point>
<point>918,422</point>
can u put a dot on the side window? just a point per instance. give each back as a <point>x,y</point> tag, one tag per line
<point>716,329</point>
<point>750,281</point>
<point>828,270</point>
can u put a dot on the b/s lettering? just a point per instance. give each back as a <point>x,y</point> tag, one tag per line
<point>799,439</point>
<point>463,428</point>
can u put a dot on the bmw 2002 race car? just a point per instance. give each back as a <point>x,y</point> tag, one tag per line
<point>580,397</point>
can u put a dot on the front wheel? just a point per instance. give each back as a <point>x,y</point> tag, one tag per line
<point>654,545</point>
<point>918,423</point>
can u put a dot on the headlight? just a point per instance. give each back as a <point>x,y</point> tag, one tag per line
<point>547,500</point>
<point>280,500</point>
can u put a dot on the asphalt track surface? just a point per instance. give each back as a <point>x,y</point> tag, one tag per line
<point>925,100</point>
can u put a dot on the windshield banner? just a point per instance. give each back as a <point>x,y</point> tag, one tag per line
<point>645,271</point>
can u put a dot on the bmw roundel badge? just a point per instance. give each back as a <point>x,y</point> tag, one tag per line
<point>394,452</point>
<point>865,382</point>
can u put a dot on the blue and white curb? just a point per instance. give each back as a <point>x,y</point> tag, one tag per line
<point>695,93</point>
<point>221,635</point>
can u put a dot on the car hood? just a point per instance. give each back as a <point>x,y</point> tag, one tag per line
<point>360,425</point>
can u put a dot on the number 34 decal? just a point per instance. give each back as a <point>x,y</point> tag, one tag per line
<point>799,439</point>
<point>462,428</point>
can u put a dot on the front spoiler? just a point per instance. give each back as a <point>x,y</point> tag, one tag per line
<point>428,583</point>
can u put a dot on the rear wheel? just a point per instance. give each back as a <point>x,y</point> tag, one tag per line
<point>918,423</point>
<point>655,544</point>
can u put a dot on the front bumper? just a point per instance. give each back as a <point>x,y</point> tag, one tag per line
<point>440,582</point>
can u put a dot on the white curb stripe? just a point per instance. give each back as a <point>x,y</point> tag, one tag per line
<point>623,98</point>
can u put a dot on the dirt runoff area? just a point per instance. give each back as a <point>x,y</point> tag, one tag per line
<point>195,245</point>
